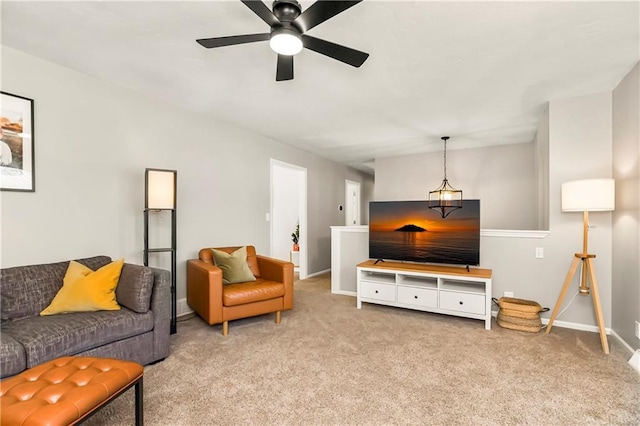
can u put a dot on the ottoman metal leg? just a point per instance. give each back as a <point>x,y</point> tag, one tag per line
<point>139,403</point>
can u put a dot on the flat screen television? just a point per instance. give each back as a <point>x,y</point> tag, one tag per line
<point>411,231</point>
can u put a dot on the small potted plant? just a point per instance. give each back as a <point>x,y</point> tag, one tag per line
<point>295,236</point>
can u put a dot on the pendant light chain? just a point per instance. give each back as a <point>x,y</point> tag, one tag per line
<point>445,138</point>
<point>445,159</point>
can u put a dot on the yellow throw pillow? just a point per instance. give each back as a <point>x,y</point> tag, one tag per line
<point>84,290</point>
<point>75,271</point>
<point>235,268</point>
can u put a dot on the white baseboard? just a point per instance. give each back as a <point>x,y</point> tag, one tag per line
<point>621,340</point>
<point>182,308</point>
<point>634,362</point>
<point>574,326</point>
<point>345,293</point>
<point>315,274</point>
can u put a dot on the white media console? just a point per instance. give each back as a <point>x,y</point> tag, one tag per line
<point>442,289</point>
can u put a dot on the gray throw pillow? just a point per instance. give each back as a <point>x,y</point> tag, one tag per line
<point>235,268</point>
<point>135,287</point>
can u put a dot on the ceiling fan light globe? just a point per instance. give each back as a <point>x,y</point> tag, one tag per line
<point>285,43</point>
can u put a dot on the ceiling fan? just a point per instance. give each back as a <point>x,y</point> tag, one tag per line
<point>287,36</point>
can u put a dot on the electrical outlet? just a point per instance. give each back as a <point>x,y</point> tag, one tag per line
<point>508,294</point>
<point>638,329</point>
<point>539,252</point>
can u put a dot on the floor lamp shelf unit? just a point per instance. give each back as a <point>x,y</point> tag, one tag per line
<point>160,195</point>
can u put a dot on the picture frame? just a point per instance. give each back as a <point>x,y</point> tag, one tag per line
<point>17,153</point>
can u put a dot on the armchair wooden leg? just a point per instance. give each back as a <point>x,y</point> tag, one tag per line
<point>278,316</point>
<point>225,328</point>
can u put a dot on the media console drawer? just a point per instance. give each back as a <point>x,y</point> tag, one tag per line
<point>462,302</point>
<point>386,292</point>
<point>418,296</point>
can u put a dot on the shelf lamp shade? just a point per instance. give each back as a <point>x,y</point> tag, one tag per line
<point>591,195</point>
<point>160,189</point>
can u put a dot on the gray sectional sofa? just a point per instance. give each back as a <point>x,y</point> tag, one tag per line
<point>139,331</point>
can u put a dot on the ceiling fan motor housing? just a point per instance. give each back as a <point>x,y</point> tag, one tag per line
<point>286,28</point>
<point>286,10</point>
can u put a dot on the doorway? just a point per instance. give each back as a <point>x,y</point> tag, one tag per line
<point>289,214</point>
<point>352,203</point>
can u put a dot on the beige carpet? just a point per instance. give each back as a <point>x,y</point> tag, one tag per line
<point>328,363</point>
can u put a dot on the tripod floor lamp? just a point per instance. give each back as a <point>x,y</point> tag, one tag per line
<point>586,195</point>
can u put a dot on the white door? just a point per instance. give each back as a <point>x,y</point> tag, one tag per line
<point>352,203</point>
<point>288,210</point>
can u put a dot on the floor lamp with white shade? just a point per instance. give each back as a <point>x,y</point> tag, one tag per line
<point>160,194</point>
<point>595,195</point>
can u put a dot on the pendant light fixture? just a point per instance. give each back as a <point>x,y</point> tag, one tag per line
<point>445,198</point>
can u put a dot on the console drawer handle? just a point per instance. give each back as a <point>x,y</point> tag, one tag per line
<point>461,302</point>
<point>376,291</point>
<point>415,297</point>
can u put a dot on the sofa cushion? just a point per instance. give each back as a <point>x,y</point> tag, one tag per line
<point>26,290</point>
<point>234,265</point>
<point>45,338</point>
<point>85,290</point>
<point>12,357</point>
<point>255,291</point>
<point>135,287</point>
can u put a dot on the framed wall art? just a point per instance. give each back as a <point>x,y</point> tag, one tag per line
<point>17,159</point>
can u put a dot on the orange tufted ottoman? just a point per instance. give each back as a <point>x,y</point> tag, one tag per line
<point>67,390</point>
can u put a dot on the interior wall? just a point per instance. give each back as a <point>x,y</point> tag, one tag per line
<point>541,147</point>
<point>626,217</point>
<point>367,194</point>
<point>94,139</point>
<point>580,147</point>
<point>502,177</point>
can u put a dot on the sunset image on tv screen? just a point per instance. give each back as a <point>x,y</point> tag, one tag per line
<point>410,231</point>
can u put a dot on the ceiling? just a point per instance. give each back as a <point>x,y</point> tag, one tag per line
<point>480,72</point>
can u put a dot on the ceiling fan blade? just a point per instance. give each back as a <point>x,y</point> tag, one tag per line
<point>353,57</point>
<point>285,68</point>
<point>231,40</point>
<point>320,11</point>
<point>261,9</point>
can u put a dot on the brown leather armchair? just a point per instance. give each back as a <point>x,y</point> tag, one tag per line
<point>216,303</point>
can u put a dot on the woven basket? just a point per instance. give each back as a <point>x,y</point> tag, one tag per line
<point>519,314</point>
<point>520,321</point>
<point>520,305</point>
<point>527,328</point>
